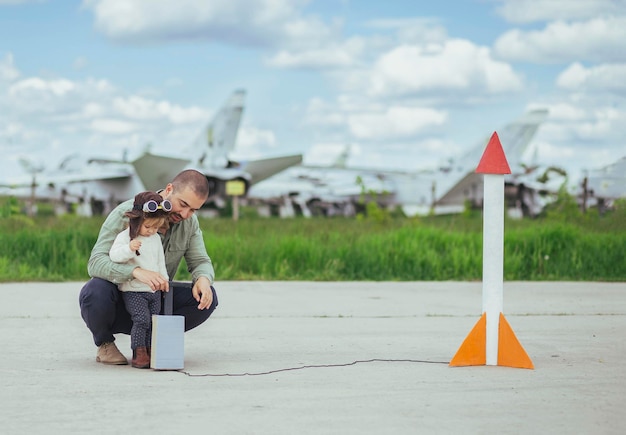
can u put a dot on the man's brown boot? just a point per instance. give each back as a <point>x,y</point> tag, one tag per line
<point>141,360</point>
<point>108,353</point>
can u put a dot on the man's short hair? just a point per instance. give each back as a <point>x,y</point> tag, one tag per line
<point>190,178</point>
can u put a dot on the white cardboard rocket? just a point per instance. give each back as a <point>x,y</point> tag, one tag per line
<point>492,341</point>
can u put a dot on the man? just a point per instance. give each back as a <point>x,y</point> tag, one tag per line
<point>101,305</point>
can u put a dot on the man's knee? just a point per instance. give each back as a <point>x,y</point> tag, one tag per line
<point>97,292</point>
<point>99,308</point>
<point>189,309</point>
<point>194,319</point>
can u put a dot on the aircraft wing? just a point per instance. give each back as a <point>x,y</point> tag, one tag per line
<point>122,174</point>
<point>467,188</point>
<point>156,171</point>
<point>72,178</point>
<point>259,170</point>
<point>93,187</point>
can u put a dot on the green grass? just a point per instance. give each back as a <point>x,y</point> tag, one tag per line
<point>435,249</point>
<point>579,248</point>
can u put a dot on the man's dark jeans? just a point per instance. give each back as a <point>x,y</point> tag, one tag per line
<point>102,308</point>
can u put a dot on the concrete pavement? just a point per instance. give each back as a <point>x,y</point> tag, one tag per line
<point>575,334</point>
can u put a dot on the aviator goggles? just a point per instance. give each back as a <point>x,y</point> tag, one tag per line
<point>152,206</point>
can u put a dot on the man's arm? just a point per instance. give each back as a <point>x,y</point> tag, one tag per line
<point>198,261</point>
<point>200,266</point>
<point>100,264</point>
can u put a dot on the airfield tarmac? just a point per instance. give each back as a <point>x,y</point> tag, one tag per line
<point>574,332</point>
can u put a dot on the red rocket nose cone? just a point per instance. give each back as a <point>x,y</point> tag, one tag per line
<point>493,160</point>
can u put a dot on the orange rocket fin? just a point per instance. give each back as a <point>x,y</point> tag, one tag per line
<point>510,351</point>
<point>473,350</point>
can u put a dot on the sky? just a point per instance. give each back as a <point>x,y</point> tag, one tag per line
<point>406,84</point>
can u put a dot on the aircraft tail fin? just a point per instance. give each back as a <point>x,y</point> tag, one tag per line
<point>342,159</point>
<point>514,137</point>
<point>218,138</point>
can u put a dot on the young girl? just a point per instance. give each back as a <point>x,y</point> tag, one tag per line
<point>140,244</point>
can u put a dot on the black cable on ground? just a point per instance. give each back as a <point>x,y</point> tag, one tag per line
<point>313,366</point>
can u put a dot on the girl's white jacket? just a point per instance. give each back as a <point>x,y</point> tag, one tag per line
<point>151,258</point>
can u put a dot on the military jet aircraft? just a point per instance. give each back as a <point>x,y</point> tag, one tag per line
<point>603,186</point>
<point>96,186</point>
<point>341,190</point>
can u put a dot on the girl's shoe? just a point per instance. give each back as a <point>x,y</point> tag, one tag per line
<point>141,359</point>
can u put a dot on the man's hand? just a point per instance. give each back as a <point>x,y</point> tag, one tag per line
<point>155,280</point>
<point>202,293</point>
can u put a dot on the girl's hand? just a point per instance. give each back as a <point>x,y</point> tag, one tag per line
<point>135,245</point>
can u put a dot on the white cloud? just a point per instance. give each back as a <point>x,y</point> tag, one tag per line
<point>356,118</point>
<point>64,109</point>
<point>567,156</point>
<point>598,39</point>
<point>455,66</point>
<point>601,78</point>
<point>55,117</point>
<point>300,31</point>
<point>325,50</point>
<point>240,22</point>
<point>334,55</point>
<point>321,113</point>
<point>252,142</point>
<point>582,132</point>
<point>566,112</point>
<point>526,11</point>
<point>11,129</point>
<point>394,122</point>
<point>412,30</point>
<point>93,110</point>
<point>579,124</point>
<point>134,107</point>
<point>35,85</point>
<point>58,96</point>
